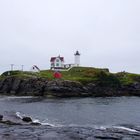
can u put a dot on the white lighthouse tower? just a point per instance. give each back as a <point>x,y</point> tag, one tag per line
<point>77,59</point>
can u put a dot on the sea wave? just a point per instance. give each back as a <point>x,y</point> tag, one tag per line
<point>126,128</point>
<point>100,127</point>
<point>45,122</point>
<point>117,127</point>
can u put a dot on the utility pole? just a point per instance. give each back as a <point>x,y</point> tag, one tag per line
<point>12,67</point>
<point>22,66</point>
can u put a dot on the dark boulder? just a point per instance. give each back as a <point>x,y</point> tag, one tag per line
<point>6,85</point>
<point>1,117</point>
<point>15,85</point>
<point>27,119</point>
<point>35,123</point>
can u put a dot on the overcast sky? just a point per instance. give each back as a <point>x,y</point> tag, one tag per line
<point>106,32</point>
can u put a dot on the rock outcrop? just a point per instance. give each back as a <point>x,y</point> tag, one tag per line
<point>26,119</point>
<point>1,117</point>
<point>29,132</point>
<point>63,88</point>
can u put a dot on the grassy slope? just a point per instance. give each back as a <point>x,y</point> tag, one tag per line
<point>85,75</point>
<point>128,78</point>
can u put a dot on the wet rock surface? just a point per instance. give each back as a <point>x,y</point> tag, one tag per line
<point>17,129</point>
<point>26,119</point>
<point>1,117</point>
<point>12,127</point>
<point>23,132</point>
<point>23,128</point>
<point>63,88</point>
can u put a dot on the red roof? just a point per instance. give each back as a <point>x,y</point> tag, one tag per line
<point>53,58</point>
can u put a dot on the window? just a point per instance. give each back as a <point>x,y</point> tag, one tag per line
<point>57,64</point>
<point>52,64</point>
<point>57,60</point>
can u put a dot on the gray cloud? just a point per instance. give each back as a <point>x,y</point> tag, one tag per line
<point>106,32</point>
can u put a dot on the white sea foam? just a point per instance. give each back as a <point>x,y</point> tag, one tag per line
<point>45,123</point>
<point>126,128</point>
<point>117,127</point>
<point>19,115</point>
<point>19,97</point>
<point>36,121</point>
<point>102,127</point>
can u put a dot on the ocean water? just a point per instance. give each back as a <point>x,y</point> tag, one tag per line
<point>90,112</point>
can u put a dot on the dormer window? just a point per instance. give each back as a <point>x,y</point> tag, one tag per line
<point>57,60</point>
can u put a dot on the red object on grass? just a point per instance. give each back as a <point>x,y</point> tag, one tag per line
<point>57,75</point>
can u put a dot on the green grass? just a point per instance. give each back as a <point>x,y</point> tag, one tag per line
<point>84,75</point>
<point>128,78</point>
<point>20,74</point>
<point>81,74</point>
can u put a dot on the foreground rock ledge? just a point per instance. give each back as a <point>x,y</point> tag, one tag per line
<point>29,132</point>
<point>62,88</point>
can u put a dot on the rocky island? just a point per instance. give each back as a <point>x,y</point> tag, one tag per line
<point>77,82</point>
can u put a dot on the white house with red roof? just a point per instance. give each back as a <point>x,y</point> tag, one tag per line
<point>57,62</point>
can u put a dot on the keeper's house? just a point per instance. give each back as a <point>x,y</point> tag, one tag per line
<point>57,62</point>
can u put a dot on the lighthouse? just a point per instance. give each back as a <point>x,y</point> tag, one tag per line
<point>77,58</point>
